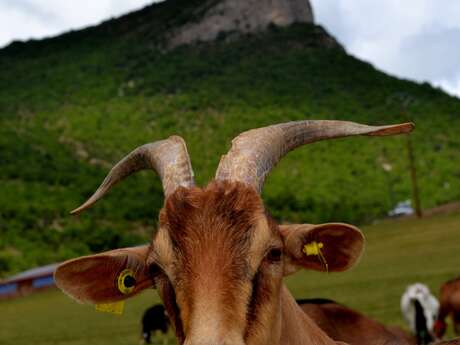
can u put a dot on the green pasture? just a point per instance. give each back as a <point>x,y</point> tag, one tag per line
<point>398,252</point>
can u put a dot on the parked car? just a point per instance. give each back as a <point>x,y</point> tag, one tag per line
<point>403,208</point>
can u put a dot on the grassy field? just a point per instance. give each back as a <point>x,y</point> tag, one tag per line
<point>398,252</point>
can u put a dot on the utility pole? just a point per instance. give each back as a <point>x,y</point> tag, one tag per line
<point>413,175</point>
<point>406,101</point>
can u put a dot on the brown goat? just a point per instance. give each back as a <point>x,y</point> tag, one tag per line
<point>347,325</point>
<point>218,258</point>
<point>449,298</point>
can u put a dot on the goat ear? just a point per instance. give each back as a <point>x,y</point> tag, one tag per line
<point>333,247</point>
<point>97,278</point>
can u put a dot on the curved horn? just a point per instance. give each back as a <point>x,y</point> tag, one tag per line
<point>169,158</point>
<point>254,153</point>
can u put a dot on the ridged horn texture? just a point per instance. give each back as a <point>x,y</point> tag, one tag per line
<point>169,158</point>
<point>254,153</point>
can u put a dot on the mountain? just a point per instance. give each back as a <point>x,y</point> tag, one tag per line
<point>73,105</point>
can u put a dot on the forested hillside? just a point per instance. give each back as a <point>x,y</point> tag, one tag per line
<point>72,106</point>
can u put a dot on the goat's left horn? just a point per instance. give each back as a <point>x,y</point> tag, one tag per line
<point>169,158</point>
<point>254,153</point>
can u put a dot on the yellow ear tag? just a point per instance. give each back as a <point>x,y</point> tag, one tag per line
<point>125,284</point>
<point>314,248</point>
<point>112,308</point>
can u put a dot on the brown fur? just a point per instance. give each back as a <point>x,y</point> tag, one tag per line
<point>108,265</point>
<point>297,327</point>
<point>345,324</point>
<point>342,247</point>
<point>219,237</point>
<point>449,298</point>
<point>213,232</point>
<point>449,342</point>
<point>402,334</point>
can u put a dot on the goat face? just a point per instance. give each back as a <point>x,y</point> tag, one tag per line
<point>217,259</point>
<point>217,263</point>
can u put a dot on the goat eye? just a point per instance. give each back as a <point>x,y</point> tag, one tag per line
<point>274,255</point>
<point>154,270</point>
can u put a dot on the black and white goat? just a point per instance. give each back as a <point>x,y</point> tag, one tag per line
<point>420,309</point>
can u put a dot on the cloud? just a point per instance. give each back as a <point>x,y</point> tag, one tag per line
<point>430,55</point>
<point>15,27</point>
<point>416,39</point>
<point>25,19</point>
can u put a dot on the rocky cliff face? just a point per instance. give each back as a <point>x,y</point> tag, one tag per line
<point>214,17</point>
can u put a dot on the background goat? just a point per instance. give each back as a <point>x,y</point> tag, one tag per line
<point>347,325</point>
<point>449,297</point>
<point>420,309</point>
<point>154,319</point>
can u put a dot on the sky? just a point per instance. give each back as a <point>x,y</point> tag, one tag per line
<point>414,39</point>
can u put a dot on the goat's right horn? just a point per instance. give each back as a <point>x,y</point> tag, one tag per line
<point>169,158</point>
<point>254,153</point>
